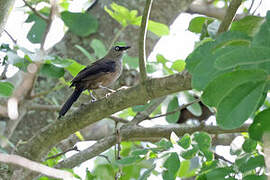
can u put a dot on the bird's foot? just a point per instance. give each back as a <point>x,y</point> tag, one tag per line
<point>109,89</point>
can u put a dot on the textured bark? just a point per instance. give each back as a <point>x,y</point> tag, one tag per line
<point>38,146</point>
<point>108,27</point>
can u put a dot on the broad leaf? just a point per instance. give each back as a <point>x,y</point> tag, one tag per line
<point>52,71</point>
<point>172,164</point>
<point>38,29</point>
<point>99,48</point>
<point>260,125</point>
<point>81,24</point>
<point>197,23</point>
<point>262,38</point>
<point>243,56</point>
<point>249,145</point>
<point>239,104</point>
<point>249,25</point>
<point>220,87</point>
<point>173,105</point>
<point>185,141</point>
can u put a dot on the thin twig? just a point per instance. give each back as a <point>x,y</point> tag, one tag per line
<point>257,7</point>
<point>53,12</point>
<point>9,35</point>
<point>252,3</point>
<point>222,158</point>
<point>142,39</point>
<point>230,14</point>
<point>177,110</point>
<point>45,18</point>
<point>106,157</point>
<point>141,116</point>
<point>117,119</point>
<point>75,148</point>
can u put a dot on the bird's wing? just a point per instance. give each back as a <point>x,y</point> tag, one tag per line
<point>98,68</point>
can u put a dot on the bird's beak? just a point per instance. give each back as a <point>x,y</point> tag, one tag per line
<point>124,48</point>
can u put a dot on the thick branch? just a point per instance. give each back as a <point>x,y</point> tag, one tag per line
<point>142,39</point>
<point>130,133</point>
<point>90,113</point>
<point>34,166</point>
<point>230,14</point>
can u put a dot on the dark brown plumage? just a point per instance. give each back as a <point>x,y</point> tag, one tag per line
<point>100,74</point>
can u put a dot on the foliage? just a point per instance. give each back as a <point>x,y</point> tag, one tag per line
<point>230,72</point>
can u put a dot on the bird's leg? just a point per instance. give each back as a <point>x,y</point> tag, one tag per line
<point>92,96</point>
<point>103,87</point>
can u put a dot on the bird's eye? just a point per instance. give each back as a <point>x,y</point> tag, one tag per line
<point>117,48</point>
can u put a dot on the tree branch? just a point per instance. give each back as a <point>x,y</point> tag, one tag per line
<point>45,18</point>
<point>34,166</point>
<point>131,133</point>
<point>177,110</point>
<point>142,39</point>
<point>39,144</point>
<point>230,14</point>
<point>140,116</point>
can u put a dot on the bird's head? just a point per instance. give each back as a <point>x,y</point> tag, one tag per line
<point>117,51</point>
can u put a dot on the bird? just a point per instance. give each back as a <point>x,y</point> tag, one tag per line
<point>100,74</point>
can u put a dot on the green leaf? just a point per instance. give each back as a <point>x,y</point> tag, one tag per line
<point>38,29</point>
<point>185,141</point>
<point>249,25</point>
<point>220,87</point>
<point>139,152</point>
<point>250,163</point>
<point>85,52</point>
<point>104,171</point>
<point>203,140</point>
<point>196,24</point>
<point>88,175</point>
<point>179,65</point>
<point>99,48</point>
<point>59,62</point>
<point>131,62</point>
<point>260,125</point>
<point>147,173</point>
<point>219,173</point>
<point>209,155</point>
<point>164,143</point>
<point>157,28</point>
<point>262,38</point>
<point>151,67</point>
<point>81,24</point>
<point>128,160</point>
<point>6,89</point>
<point>161,59</point>
<point>74,68</point>
<point>239,104</point>
<point>249,145</point>
<point>190,153</point>
<point>240,56</point>
<point>52,71</point>
<point>255,177</point>
<point>172,164</point>
<point>173,105</point>
<point>207,165</point>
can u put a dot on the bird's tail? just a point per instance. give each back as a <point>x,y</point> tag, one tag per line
<point>74,96</point>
